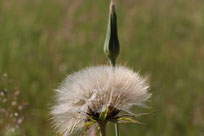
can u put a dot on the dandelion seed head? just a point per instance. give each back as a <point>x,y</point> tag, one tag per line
<point>92,91</point>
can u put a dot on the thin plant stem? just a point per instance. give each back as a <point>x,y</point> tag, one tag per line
<point>102,125</point>
<point>117,129</point>
<point>111,46</point>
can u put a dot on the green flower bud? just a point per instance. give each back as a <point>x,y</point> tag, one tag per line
<point>111,46</point>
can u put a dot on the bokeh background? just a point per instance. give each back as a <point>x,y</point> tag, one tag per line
<point>42,41</point>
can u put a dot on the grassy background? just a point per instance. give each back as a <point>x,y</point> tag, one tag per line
<point>42,41</point>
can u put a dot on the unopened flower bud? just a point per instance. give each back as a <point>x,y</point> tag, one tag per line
<point>111,46</point>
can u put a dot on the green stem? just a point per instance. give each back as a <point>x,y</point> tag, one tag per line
<point>117,129</point>
<point>102,125</point>
<point>113,62</point>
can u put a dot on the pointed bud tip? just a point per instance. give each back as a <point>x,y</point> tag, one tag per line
<point>112,6</point>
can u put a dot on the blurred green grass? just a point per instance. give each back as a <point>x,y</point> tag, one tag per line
<point>42,41</point>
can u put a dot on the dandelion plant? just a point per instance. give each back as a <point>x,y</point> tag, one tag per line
<point>99,94</point>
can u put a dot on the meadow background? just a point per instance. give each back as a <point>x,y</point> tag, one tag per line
<point>41,41</point>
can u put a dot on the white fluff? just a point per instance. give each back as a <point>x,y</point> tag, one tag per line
<point>97,88</point>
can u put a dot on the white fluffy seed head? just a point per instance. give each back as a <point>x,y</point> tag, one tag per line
<point>96,88</point>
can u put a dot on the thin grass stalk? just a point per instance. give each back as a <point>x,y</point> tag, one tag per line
<point>117,133</point>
